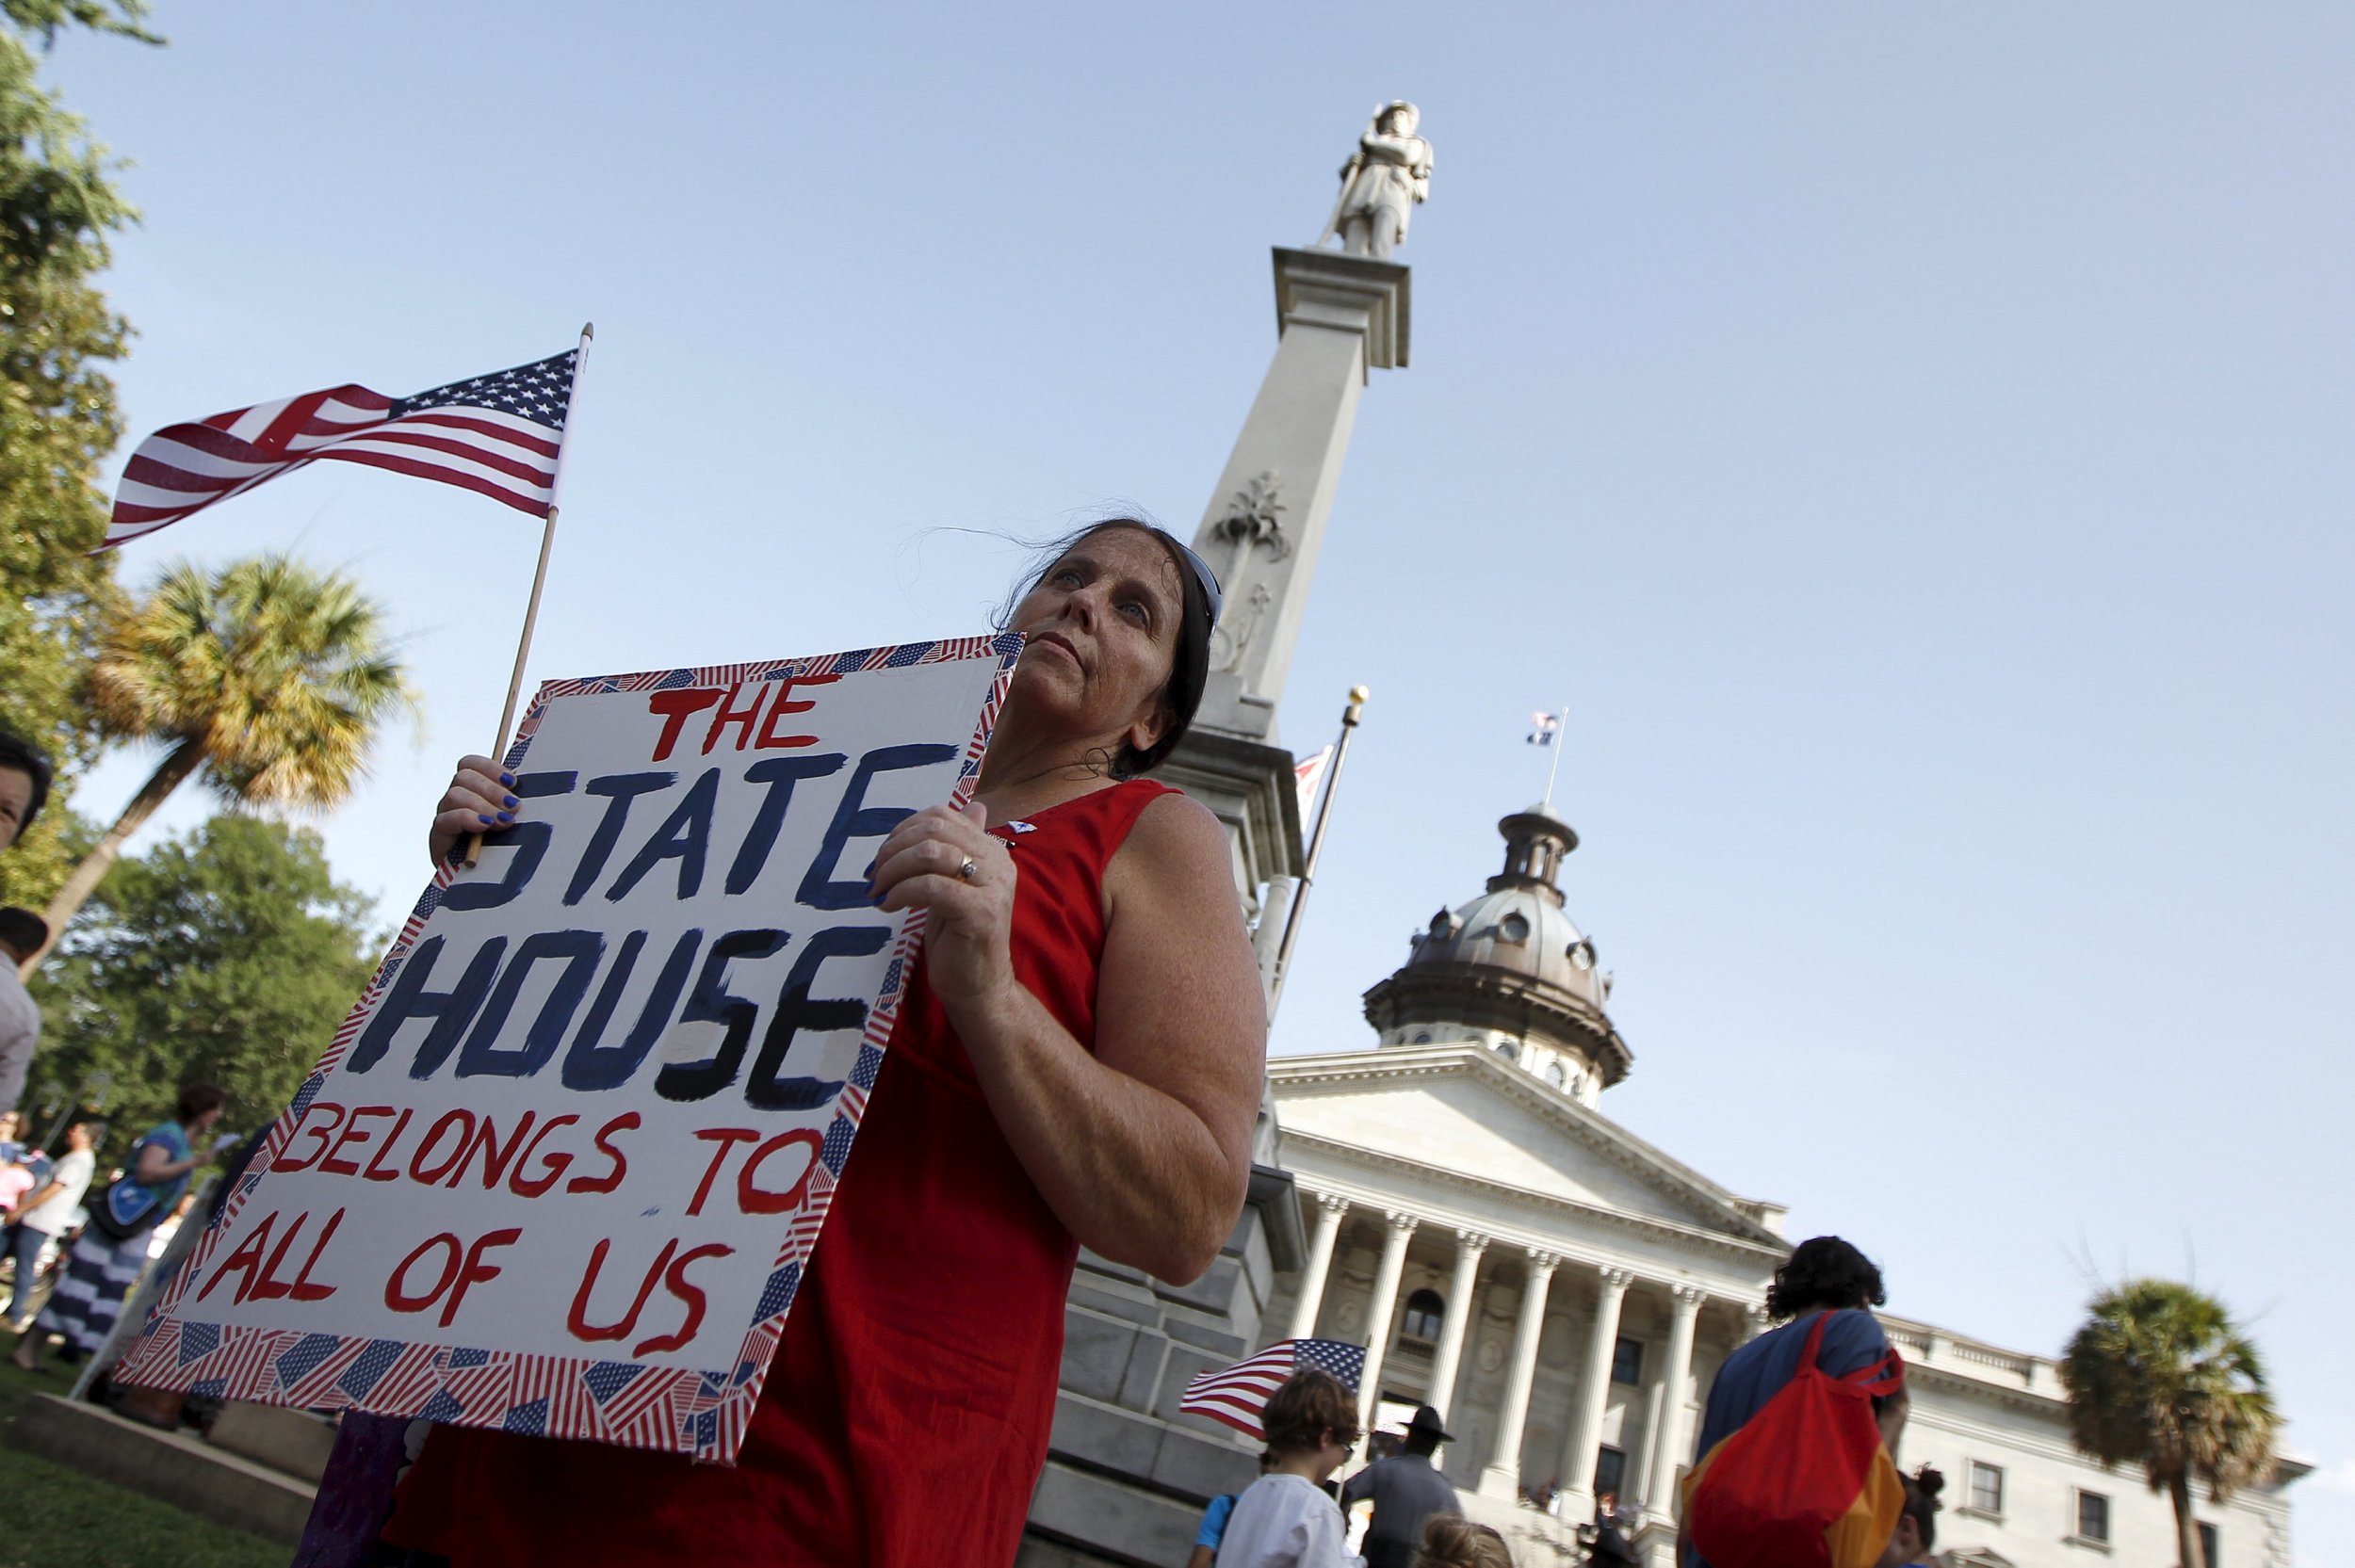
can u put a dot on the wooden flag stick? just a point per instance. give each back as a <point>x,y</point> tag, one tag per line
<point>472,850</point>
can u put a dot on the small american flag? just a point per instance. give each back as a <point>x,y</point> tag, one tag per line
<point>1237,1394</point>
<point>1543,728</point>
<point>499,434</point>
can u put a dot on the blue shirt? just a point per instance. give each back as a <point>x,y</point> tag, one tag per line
<point>1215,1517</point>
<point>1758,1371</point>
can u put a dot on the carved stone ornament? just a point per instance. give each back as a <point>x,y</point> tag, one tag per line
<point>1351,1310</point>
<point>1235,629</point>
<point>1491,1353</point>
<point>1255,517</point>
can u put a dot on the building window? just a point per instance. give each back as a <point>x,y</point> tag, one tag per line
<point>1556,1075</point>
<point>1513,928</point>
<point>2093,1517</point>
<point>1426,1311</point>
<point>2207,1546</point>
<point>1422,1037</point>
<point>1627,1361</point>
<point>1508,1050</point>
<point>1986,1489</point>
<point>1610,1469</point>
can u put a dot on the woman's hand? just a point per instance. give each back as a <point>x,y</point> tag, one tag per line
<point>481,800</point>
<point>968,920</point>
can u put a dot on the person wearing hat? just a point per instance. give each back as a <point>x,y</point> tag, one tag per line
<point>1405,1490</point>
<point>23,933</point>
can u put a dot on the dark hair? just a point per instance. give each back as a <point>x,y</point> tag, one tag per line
<point>1310,1404</point>
<point>1921,1504</point>
<point>29,759</point>
<point>198,1098</point>
<point>1188,672</point>
<point>1826,1273</point>
<point>25,932</point>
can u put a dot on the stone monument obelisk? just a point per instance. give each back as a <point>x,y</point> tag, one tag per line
<point>1127,1475</point>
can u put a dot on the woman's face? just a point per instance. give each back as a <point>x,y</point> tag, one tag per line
<point>1103,636</point>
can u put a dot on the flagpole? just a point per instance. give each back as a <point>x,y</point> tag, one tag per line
<point>473,850</point>
<point>1561,733</point>
<point>1357,696</point>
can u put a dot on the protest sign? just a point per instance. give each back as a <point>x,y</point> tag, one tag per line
<point>560,1170</point>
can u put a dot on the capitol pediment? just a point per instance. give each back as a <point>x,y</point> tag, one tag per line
<point>1466,1116</point>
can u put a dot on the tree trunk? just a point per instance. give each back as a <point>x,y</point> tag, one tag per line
<point>2186,1527</point>
<point>181,761</point>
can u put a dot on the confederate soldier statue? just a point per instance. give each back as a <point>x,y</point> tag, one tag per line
<point>1381,184</point>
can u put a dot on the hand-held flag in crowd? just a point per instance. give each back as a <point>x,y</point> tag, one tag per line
<point>1236,1395</point>
<point>500,434</point>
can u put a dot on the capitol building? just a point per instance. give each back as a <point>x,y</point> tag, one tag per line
<point>1564,1291</point>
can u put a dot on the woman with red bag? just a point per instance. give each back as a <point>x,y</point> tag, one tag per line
<point>1801,1427</point>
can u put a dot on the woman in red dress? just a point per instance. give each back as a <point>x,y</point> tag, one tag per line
<point>1079,1064</point>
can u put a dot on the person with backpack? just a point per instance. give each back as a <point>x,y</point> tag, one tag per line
<point>108,1258</point>
<point>1794,1464</point>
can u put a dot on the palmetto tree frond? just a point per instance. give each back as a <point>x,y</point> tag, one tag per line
<point>269,677</point>
<point>279,673</point>
<point>2160,1377</point>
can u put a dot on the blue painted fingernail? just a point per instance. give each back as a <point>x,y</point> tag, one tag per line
<point>507,816</point>
<point>511,802</point>
<point>486,821</point>
<point>508,779</point>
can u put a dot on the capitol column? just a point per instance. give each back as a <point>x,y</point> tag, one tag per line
<point>1469,1246</point>
<point>1330,1207</point>
<point>1503,1479</point>
<point>1586,1445</point>
<point>1402,1225</point>
<point>1667,1448</point>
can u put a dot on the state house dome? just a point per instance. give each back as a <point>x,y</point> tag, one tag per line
<point>1510,971</point>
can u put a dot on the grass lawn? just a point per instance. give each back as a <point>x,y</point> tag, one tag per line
<point>53,1516</point>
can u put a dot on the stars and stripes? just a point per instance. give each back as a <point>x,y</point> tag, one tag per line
<point>1236,1395</point>
<point>499,434</point>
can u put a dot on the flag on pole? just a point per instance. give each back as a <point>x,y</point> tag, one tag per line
<point>1543,728</point>
<point>499,434</point>
<point>1236,1395</point>
<point>1309,771</point>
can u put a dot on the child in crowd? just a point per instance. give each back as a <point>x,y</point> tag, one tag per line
<point>1212,1530</point>
<point>1917,1526</point>
<point>1451,1541</point>
<point>1287,1519</point>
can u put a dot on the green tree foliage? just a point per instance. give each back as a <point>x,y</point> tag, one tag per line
<point>2161,1377</point>
<point>57,416</point>
<point>270,677</point>
<point>229,955</point>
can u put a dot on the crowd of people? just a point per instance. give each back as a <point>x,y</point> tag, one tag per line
<point>1841,1501</point>
<point>73,1247</point>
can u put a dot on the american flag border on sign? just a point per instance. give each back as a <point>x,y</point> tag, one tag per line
<point>702,1412</point>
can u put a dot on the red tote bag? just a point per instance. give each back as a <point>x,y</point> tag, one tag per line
<point>1805,1484</point>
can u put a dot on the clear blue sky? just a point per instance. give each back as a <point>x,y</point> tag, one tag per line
<point>1914,439</point>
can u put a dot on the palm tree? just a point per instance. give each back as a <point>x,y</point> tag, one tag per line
<point>271,677</point>
<point>2160,1376</point>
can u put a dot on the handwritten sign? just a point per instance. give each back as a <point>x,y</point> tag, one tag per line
<point>562,1167</point>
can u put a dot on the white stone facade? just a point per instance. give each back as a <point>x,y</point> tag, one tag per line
<point>1564,1292</point>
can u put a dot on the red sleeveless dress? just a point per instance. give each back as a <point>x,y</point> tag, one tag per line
<point>905,1416</point>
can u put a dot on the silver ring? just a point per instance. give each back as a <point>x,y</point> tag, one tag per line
<point>970,871</point>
